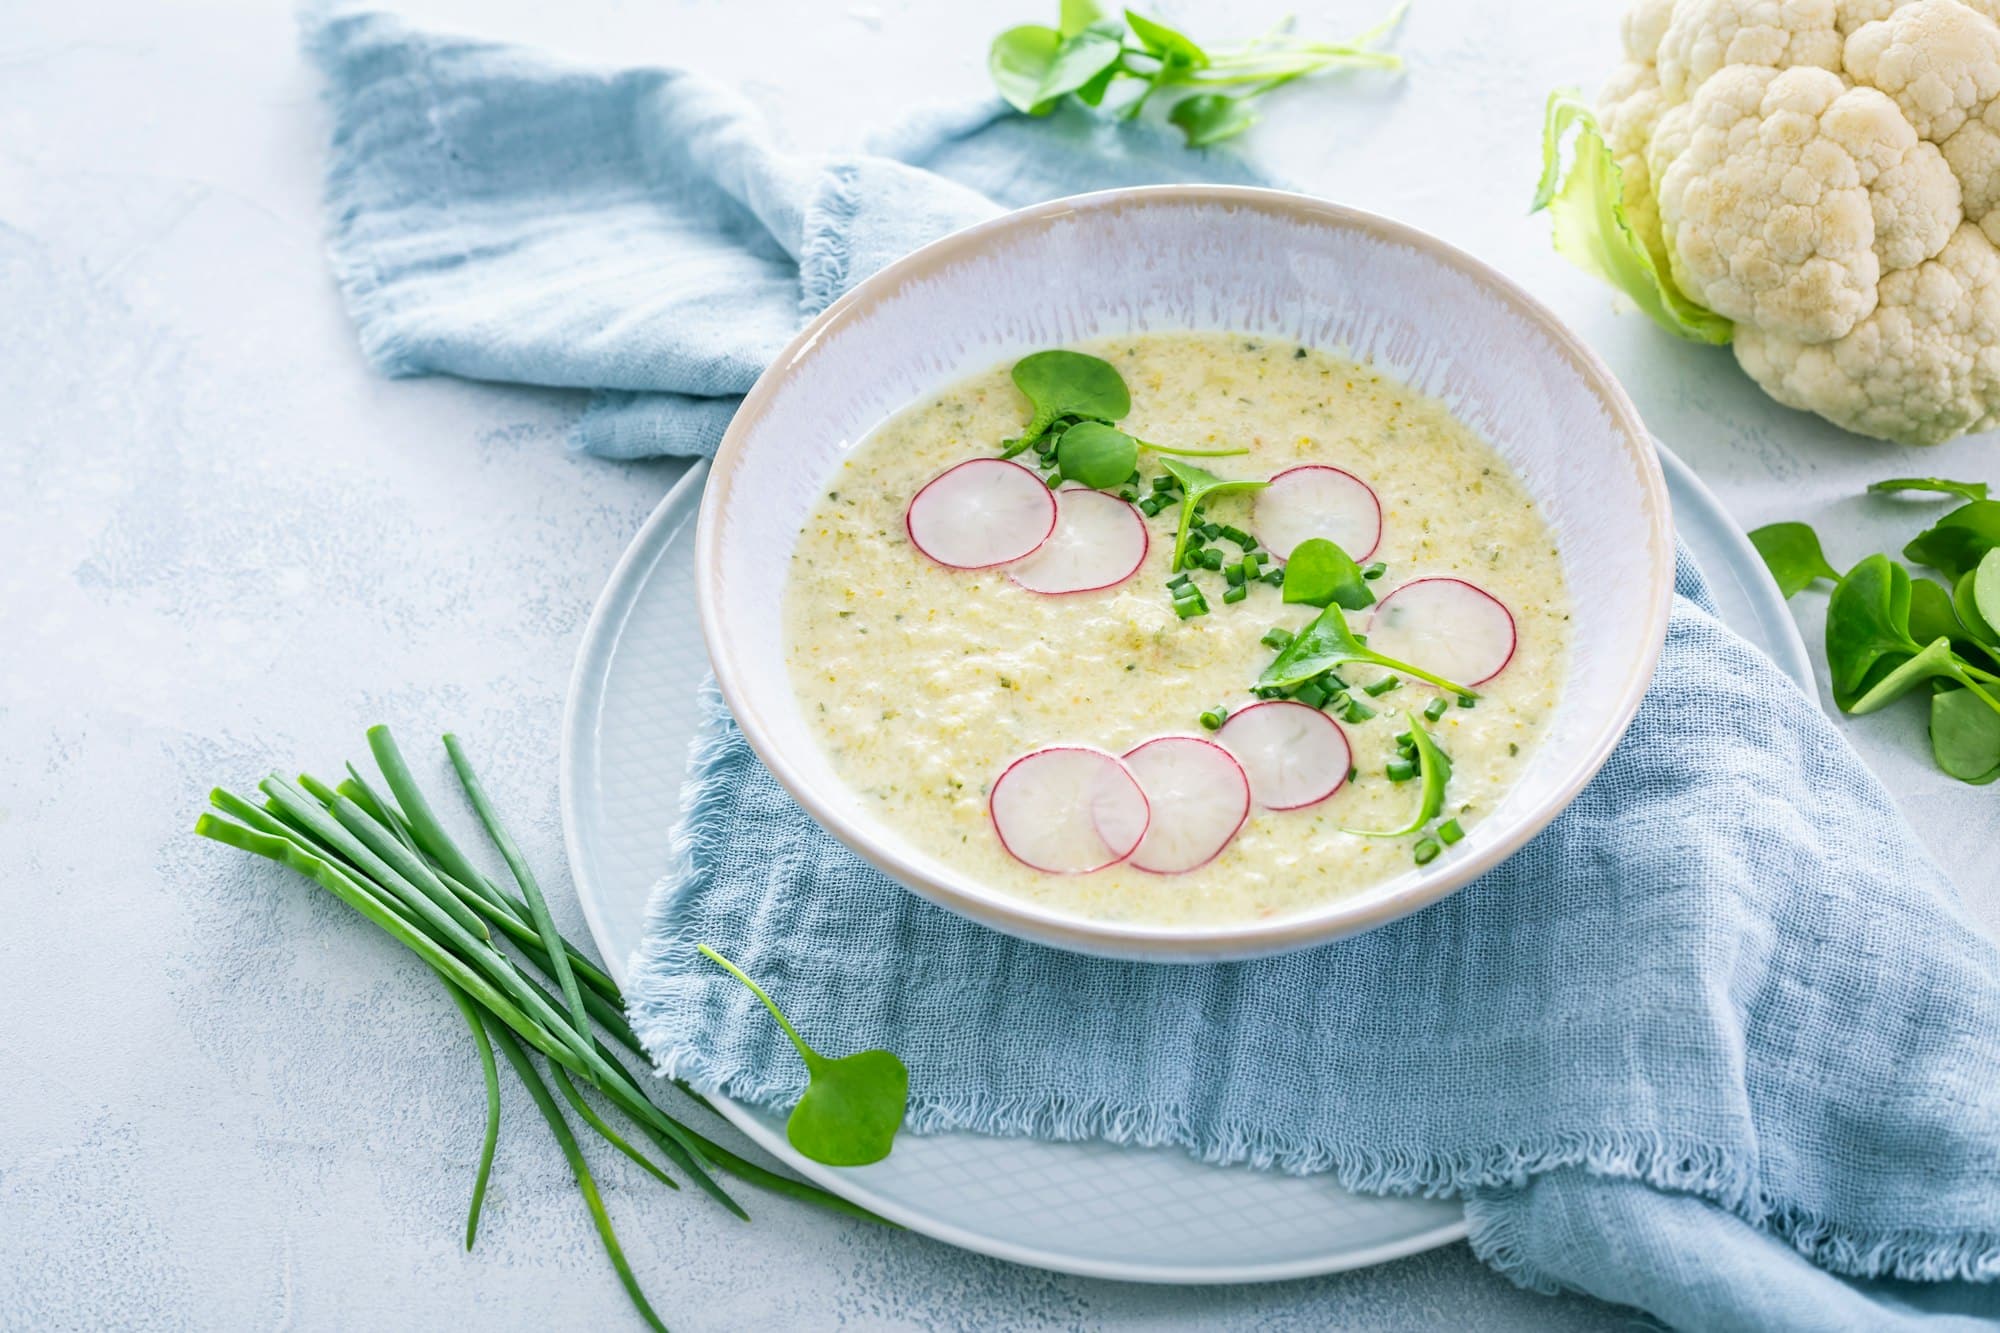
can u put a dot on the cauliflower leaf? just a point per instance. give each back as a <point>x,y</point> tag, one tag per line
<point>1585,202</point>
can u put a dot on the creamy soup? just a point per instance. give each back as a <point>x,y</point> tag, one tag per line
<point>924,682</point>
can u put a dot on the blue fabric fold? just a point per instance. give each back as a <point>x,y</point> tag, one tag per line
<point>1719,1044</point>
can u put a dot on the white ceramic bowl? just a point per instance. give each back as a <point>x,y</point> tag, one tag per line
<point>1196,257</point>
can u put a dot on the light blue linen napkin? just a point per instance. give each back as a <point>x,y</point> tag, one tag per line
<point>1719,1033</point>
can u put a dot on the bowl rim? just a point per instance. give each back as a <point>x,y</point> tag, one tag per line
<point>1154,943</point>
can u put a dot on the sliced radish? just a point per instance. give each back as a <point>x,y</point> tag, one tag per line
<point>1319,501</point>
<point>1068,809</point>
<point>1099,542</point>
<point>1446,626</point>
<point>1199,796</point>
<point>984,512</point>
<point>1293,755</point>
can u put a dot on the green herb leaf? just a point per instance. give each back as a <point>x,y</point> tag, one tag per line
<point>1986,598</point>
<point>1932,615</point>
<point>1965,737</point>
<point>1964,490</point>
<point>1792,553</point>
<point>1434,766</point>
<point>1586,205</point>
<point>1965,601</point>
<point>1097,455</point>
<point>1327,643</point>
<point>1019,61</point>
<point>1061,384</point>
<point>1319,573</point>
<point>1209,118</point>
<point>1958,541</point>
<point>852,1105</point>
<point>1076,15</point>
<point>1172,46</point>
<point>1198,486</point>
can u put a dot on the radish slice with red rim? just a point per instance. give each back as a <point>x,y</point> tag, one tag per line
<point>1199,796</point>
<point>1447,626</point>
<point>984,512</point>
<point>1318,501</point>
<point>1293,755</point>
<point>1068,809</point>
<point>1099,541</point>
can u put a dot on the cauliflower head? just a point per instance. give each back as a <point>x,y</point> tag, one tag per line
<point>1825,176</point>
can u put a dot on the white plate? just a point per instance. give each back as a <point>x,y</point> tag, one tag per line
<point>1142,1215</point>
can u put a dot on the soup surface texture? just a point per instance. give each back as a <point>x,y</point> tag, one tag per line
<point>925,682</point>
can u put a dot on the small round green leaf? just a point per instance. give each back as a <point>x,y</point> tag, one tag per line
<point>1097,455</point>
<point>1019,60</point>
<point>852,1109</point>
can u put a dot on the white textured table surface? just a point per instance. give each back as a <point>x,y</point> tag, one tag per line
<point>224,547</point>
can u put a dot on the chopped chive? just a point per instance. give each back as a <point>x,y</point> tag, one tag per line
<point>1192,605</point>
<point>1375,570</point>
<point>1312,694</point>
<point>1161,485</point>
<point>1356,711</point>
<point>1134,479</point>
<point>1152,505</point>
<point>1209,558</point>
<point>1211,530</point>
<point>1235,592</point>
<point>1195,541</point>
<point>1426,851</point>
<point>1277,637</point>
<point>1253,564</point>
<point>1268,691</point>
<point>1275,577</point>
<point>1353,774</point>
<point>1381,687</point>
<point>1233,572</point>
<point>1435,708</point>
<point>1400,770</point>
<point>1215,717</point>
<point>1467,701</point>
<point>1128,493</point>
<point>1406,740</point>
<point>1449,832</point>
<point>1054,479</point>
<point>1179,581</point>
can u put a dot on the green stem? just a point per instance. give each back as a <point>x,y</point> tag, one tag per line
<point>604,1129</point>
<point>1189,453</point>
<point>492,1077</point>
<point>538,907</point>
<point>806,1053</point>
<point>581,1170</point>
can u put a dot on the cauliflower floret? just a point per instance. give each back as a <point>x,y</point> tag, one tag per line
<point>1707,36</point>
<point>1923,368</point>
<point>1826,175</point>
<point>1939,60</point>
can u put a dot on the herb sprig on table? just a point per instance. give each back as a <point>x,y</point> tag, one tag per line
<point>390,859</point>
<point>1890,633</point>
<point>1091,51</point>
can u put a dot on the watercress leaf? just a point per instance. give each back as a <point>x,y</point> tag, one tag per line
<point>1097,455</point>
<point>1079,61</point>
<point>852,1105</point>
<point>1318,572</point>
<point>1964,490</point>
<point>1934,660</point>
<point>1965,737</point>
<point>1867,623</point>
<point>1327,643</point>
<point>1172,46</point>
<point>1986,597</point>
<point>1792,553</point>
<point>1434,766</point>
<point>1076,15</point>
<point>1019,61</point>
<point>1958,541</point>
<point>1060,384</point>
<point>1209,118</point>
<point>1586,206</point>
<point>1198,486</point>
<point>1931,614</point>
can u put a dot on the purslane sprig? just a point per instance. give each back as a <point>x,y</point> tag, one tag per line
<point>391,860</point>
<point>1889,633</point>
<point>1091,51</point>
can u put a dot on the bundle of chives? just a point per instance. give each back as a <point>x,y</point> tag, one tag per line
<point>389,859</point>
